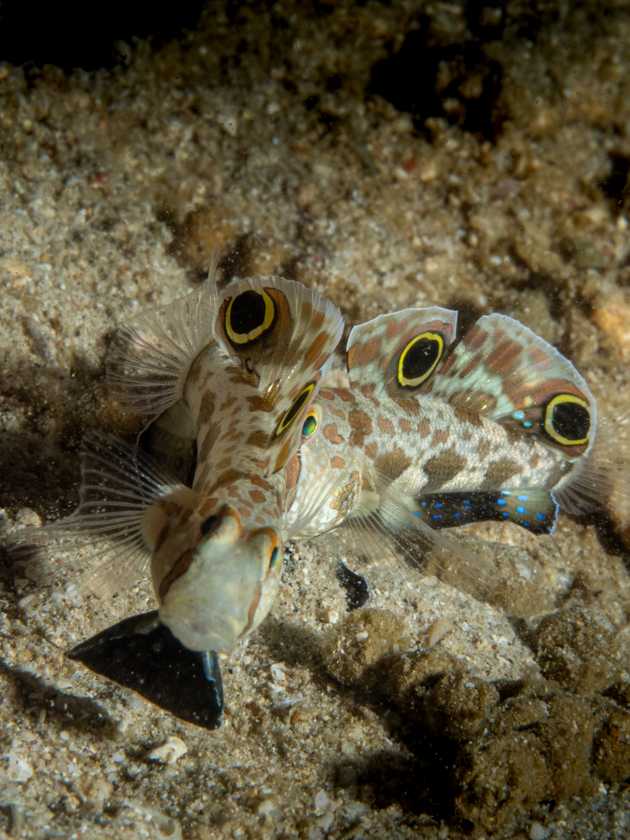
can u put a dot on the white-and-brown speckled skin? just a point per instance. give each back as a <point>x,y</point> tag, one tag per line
<point>363,454</point>
<point>475,424</point>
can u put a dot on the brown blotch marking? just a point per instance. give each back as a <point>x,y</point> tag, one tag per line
<point>498,472</point>
<point>443,468</point>
<point>307,311</point>
<point>364,353</point>
<point>206,408</point>
<point>336,411</point>
<point>337,462</point>
<point>394,328</point>
<point>472,364</point>
<point>208,441</point>
<point>465,414</point>
<point>447,364</point>
<point>232,434</point>
<point>178,569</point>
<point>385,425</point>
<point>368,392</point>
<point>283,455</point>
<point>371,450</point>
<point>361,425</point>
<point>475,338</point>
<point>405,425</point>
<point>392,463</point>
<point>534,461</point>
<point>195,372</point>
<point>424,428</point>
<point>466,435</point>
<point>483,448</point>
<point>207,507</point>
<point>258,438</point>
<point>440,436</point>
<point>345,395</point>
<point>264,403</point>
<point>260,482</point>
<point>537,356</point>
<point>226,477</point>
<point>316,348</point>
<point>331,434</point>
<point>326,394</point>
<point>505,356</point>
<point>292,472</point>
<point>317,319</point>
<point>406,405</point>
<point>257,496</point>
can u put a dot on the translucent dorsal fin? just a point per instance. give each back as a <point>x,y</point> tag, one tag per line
<point>277,327</point>
<point>504,371</point>
<point>374,348</point>
<point>248,357</point>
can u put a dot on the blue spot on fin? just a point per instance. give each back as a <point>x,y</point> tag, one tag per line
<point>533,508</point>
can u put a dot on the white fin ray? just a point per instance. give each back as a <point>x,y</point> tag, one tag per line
<point>603,472</point>
<point>118,484</point>
<point>148,360</point>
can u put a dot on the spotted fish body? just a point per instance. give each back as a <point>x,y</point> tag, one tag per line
<point>431,433</point>
<point>238,370</point>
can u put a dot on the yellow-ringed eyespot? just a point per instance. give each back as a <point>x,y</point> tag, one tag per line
<point>567,420</point>
<point>311,422</point>
<point>248,316</point>
<point>419,359</point>
<point>289,416</point>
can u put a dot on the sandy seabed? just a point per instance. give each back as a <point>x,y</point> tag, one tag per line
<point>388,156</point>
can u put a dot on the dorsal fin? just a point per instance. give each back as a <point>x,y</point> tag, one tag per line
<point>247,360</point>
<point>418,336</point>
<point>286,330</point>
<point>503,371</point>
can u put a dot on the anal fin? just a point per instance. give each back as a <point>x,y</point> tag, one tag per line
<point>536,510</point>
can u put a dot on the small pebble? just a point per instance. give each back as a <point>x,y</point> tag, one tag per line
<point>322,801</point>
<point>537,831</point>
<point>18,770</point>
<point>169,752</point>
<point>28,518</point>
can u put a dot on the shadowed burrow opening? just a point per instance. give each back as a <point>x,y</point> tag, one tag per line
<point>457,82</point>
<point>72,35</point>
<point>420,784</point>
<point>616,185</point>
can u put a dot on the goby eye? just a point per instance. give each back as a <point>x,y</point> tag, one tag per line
<point>419,359</point>
<point>248,316</point>
<point>298,404</point>
<point>567,420</point>
<point>310,424</point>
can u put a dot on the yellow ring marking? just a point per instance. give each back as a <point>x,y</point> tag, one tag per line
<point>289,417</point>
<point>548,424</point>
<point>418,380</point>
<point>256,332</point>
